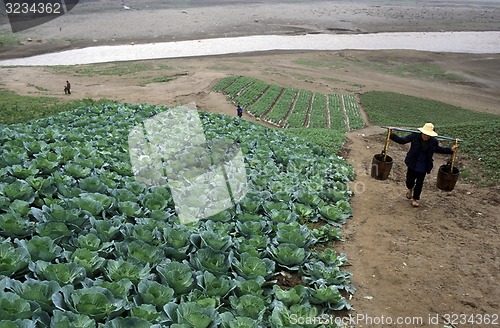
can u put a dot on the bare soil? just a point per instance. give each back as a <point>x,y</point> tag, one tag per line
<point>437,259</point>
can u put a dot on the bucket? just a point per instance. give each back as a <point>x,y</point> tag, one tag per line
<point>446,179</point>
<point>381,168</point>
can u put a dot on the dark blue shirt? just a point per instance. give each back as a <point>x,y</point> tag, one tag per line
<point>419,157</point>
<point>421,164</point>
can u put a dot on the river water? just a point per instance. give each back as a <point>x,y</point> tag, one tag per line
<point>458,42</point>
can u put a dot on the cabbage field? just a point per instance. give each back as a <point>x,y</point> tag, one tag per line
<point>290,107</point>
<point>83,244</point>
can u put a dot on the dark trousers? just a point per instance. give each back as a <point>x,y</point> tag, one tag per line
<point>415,181</point>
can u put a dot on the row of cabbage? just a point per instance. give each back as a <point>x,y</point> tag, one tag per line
<point>289,107</point>
<point>82,244</point>
<point>352,111</point>
<point>317,114</point>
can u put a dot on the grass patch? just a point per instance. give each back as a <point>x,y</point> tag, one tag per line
<point>328,140</point>
<point>224,67</point>
<point>389,108</point>
<point>480,145</point>
<point>109,69</point>
<point>426,71</point>
<point>163,79</point>
<point>320,63</point>
<point>480,132</point>
<point>418,70</point>
<point>15,108</point>
<point>31,85</point>
<point>423,71</point>
<point>8,39</point>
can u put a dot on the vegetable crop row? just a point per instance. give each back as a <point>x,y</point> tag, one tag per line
<point>251,94</point>
<point>282,107</point>
<point>299,111</point>
<point>263,104</point>
<point>258,104</point>
<point>237,86</point>
<point>317,117</point>
<point>224,83</point>
<point>353,113</point>
<point>337,119</point>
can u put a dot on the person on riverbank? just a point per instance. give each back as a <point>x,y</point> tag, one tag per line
<point>67,88</point>
<point>419,158</point>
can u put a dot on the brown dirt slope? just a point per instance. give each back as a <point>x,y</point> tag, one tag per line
<point>438,259</point>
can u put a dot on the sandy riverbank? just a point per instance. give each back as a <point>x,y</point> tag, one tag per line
<point>97,22</point>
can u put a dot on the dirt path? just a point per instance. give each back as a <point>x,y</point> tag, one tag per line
<point>425,262</point>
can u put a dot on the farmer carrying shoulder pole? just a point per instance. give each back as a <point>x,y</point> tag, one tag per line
<point>419,158</point>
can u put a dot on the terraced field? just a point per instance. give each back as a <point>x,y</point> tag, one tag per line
<point>292,108</point>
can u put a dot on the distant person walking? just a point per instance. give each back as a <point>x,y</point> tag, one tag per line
<point>67,88</point>
<point>419,158</point>
<point>239,110</point>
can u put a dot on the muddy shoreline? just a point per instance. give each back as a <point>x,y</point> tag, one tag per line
<point>106,22</point>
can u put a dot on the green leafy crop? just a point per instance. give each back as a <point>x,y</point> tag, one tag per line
<point>83,244</point>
